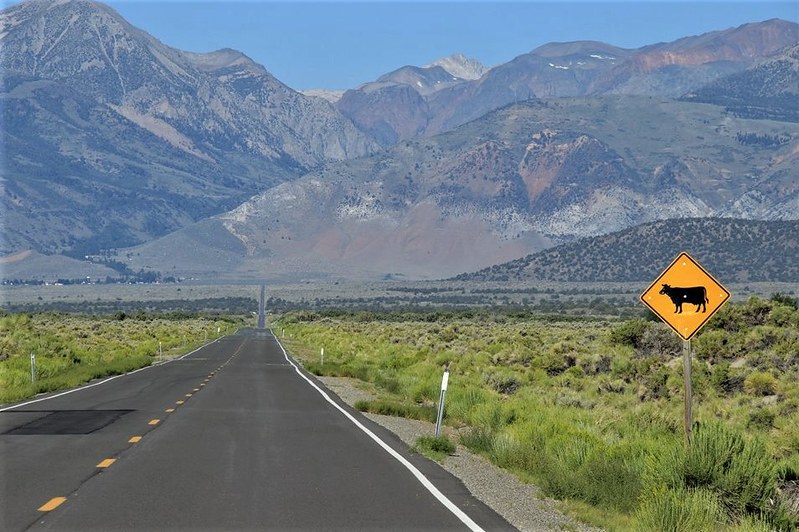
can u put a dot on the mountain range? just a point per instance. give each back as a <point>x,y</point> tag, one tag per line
<point>733,251</point>
<point>205,165</point>
<point>113,138</point>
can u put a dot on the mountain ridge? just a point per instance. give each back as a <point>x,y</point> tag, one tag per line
<point>514,181</point>
<point>94,107</point>
<point>175,156</point>
<point>733,250</point>
<point>568,69</point>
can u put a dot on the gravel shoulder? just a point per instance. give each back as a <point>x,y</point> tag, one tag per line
<point>522,505</point>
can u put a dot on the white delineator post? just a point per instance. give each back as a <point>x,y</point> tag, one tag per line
<point>444,382</point>
<point>33,367</point>
<point>322,356</point>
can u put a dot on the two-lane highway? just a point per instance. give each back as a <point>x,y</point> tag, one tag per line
<point>231,437</point>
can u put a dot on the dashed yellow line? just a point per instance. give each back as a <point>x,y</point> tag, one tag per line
<point>179,402</point>
<point>154,422</point>
<point>188,395</point>
<point>196,390</point>
<point>107,462</point>
<point>134,439</point>
<point>169,410</point>
<point>52,504</point>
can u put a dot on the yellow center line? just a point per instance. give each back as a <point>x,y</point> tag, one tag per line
<point>202,384</point>
<point>188,395</point>
<point>52,504</point>
<point>107,462</point>
<point>169,410</point>
<point>134,439</point>
<point>179,402</point>
<point>154,422</point>
<point>196,389</point>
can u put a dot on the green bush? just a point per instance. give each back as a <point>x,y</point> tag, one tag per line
<point>761,418</point>
<point>679,510</point>
<point>398,409</point>
<point>435,447</point>
<point>738,471</point>
<point>788,468</point>
<point>760,383</point>
<point>630,332</point>
<point>479,439</point>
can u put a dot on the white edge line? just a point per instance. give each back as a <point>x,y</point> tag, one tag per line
<point>448,504</point>
<point>109,379</point>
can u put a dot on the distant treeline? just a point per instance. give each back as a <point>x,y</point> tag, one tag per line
<point>123,309</point>
<point>141,277</point>
<point>491,303</point>
<point>765,140</point>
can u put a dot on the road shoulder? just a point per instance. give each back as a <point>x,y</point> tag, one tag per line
<point>522,505</point>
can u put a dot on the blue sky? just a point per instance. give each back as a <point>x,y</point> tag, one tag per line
<point>338,45</point>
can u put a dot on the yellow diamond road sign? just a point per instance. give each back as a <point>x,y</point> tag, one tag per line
<point>685,296</point>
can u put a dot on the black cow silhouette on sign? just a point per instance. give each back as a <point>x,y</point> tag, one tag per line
<point>695,295</point>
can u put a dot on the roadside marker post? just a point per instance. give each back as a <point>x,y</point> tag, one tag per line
<point>322,356</point>
<point>33,367</point>
<point>685,296</point>
<point>444,383</point>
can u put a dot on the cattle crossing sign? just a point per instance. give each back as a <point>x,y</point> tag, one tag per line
<point>685,296</point>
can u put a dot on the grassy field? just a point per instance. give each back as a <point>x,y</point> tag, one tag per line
<point>590,409</point>
<point>73,349</point>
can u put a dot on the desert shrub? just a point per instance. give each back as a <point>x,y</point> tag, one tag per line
<point>738,471</point>
<point>581,466</point>
<point>788,468</point>
<point>462,401</point>
<point>422,390</point>
<point>630,332</point>
<point>725,380</point>
<point>493,415</point>
<point>387,381</point>
<point>761,418</point>
<point>398,409</point>
<point>659,340</point>
<point>755,311</point>
<point>760,383</point>
<point>752,524</point>
<point>595,364</point>
<point>679,510</point>
<point>435,444</point>
<point>714,345</point>
<point>504,382</point>
<point>479,439</point>
<point>735,318</point>
<point>785,300</point>
<point>556,363</point>
<point>783,316</point>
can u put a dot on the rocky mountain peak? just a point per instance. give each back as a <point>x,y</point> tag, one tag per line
<point>120,115</point>
<point>460,66</point>
<point>220,59</point>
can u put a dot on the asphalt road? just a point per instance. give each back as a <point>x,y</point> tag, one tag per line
<point>230,437</point>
